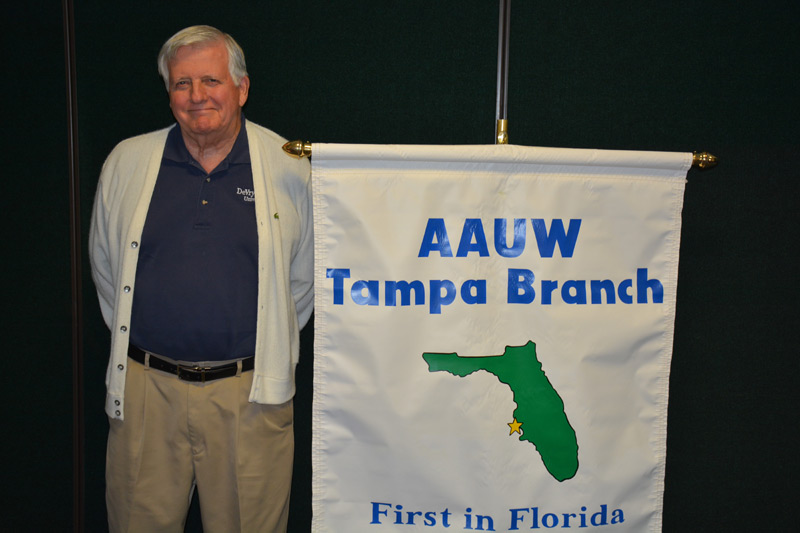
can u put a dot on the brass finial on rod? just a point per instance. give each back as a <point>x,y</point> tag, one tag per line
<point>704,160</point>
<point>502,131</point>
<point>298,149</point>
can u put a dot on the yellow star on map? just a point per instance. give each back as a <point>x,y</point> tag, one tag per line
<point>515,427</point>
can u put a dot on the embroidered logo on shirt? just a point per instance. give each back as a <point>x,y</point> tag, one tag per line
<point>247,194</point>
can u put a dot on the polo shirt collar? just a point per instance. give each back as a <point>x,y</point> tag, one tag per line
<point>175,150</point>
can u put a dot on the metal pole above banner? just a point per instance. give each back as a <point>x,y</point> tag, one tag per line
<point>501,132</point>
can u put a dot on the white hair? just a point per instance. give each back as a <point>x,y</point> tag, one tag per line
<point>200,35</point>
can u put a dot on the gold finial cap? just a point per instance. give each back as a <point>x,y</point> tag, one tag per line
<point>704,160</point>
<point>298,149</point>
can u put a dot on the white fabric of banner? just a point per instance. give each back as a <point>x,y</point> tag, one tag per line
<point>493,336</point>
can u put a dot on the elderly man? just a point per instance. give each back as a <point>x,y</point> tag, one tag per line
<point>202,253</point>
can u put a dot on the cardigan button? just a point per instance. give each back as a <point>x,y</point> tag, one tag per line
<point>134,244</point>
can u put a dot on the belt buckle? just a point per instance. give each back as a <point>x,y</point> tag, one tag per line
<point>190,373</point>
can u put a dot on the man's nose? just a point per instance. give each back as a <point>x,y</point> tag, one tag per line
<point>198,93</point>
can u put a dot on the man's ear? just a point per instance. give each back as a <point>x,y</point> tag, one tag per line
<point>244,90</point>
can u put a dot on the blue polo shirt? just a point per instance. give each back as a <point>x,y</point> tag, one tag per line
<point>195,297</point>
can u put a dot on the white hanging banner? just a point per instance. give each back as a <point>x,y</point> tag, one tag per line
<point>494,330</point>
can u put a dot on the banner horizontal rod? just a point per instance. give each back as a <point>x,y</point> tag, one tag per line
<point>300,149</point>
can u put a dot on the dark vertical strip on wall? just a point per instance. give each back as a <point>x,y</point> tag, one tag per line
<point>76,270</point>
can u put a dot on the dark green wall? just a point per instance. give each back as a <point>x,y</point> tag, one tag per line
<point>36,368</point>
<point>678,76</point>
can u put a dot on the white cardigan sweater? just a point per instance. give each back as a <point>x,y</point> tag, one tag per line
<point>285,260</point>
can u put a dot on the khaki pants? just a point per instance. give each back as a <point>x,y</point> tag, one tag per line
<point>177,434</point>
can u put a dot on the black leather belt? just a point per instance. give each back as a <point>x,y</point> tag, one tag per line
<point>192,372</point>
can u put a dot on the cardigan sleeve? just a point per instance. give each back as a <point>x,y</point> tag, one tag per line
<point>99,251</point>
<point>302,270</point>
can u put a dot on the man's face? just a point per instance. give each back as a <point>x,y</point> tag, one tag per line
<point>202,94</point>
